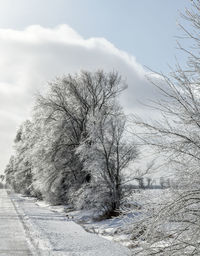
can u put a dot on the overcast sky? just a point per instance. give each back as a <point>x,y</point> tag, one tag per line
<point>41,39</point>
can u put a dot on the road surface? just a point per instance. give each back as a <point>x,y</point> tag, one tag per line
<point>29,229</point>
<point>12,234</point>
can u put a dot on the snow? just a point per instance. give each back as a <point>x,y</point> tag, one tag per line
<point>52,233</point>
<point>57,230</point>
<point>13,239</point>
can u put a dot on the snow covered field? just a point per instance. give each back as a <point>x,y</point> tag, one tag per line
<point>52,233</point>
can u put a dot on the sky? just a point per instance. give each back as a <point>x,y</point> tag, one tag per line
<point>144,28</point>
<point>43,39</point>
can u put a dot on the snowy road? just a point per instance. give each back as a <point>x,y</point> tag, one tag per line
<point>23,223</point>
<point>12,234</point>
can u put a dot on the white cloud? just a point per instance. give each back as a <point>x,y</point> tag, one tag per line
<point>31,57</point>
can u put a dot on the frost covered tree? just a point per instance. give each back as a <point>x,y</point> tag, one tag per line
<point>175,229</point>
<point>106,153</point>
<point>19,170</point>
<point>75,148</point>
<point>9,173</point>
<point>64,113</point>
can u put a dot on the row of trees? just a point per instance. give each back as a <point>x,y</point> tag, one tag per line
<point>149,183</point>
<point>74,149</point>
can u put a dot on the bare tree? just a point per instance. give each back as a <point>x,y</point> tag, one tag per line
<point>109,156</point>
<point>175,229</point>
<point>149,182</point>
